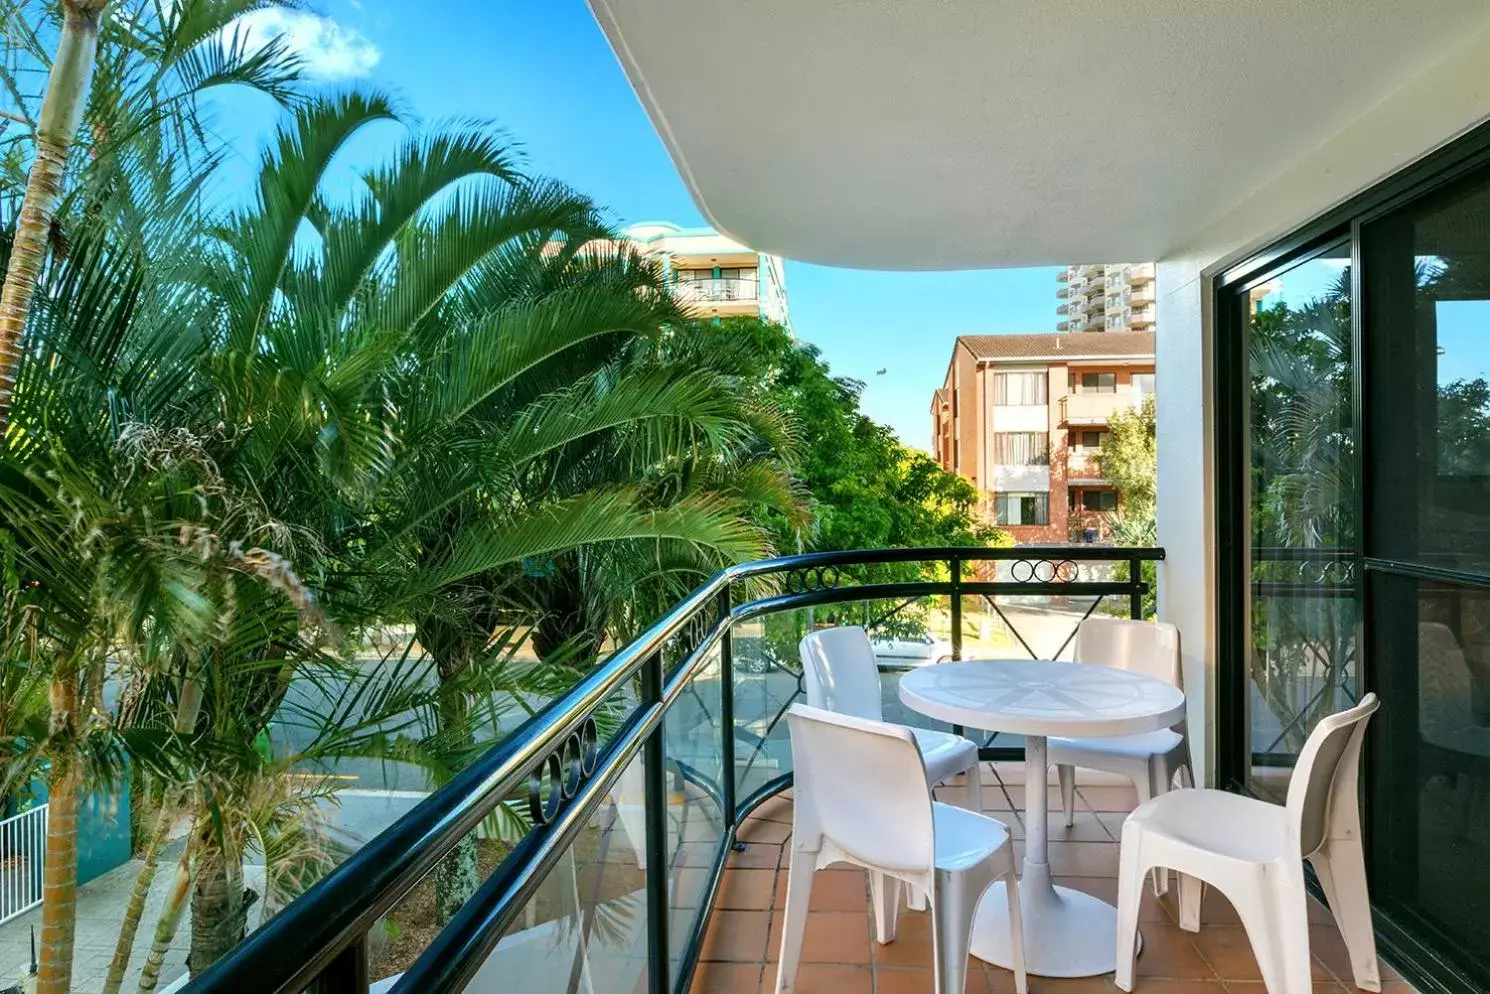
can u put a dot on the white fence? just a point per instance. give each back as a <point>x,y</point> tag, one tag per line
<point>23,846</point>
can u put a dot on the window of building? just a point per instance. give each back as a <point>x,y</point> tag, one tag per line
<point>1143,383</point>
<point>1018,389</point>
<point>1099,500</point>
<point>1099,383</point>
<point>1092,439</point>
<point>1022,509</point>
<point>1021,448</point>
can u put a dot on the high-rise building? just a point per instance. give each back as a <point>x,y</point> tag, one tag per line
<point>1024,418</point>
<point>1114,296</point>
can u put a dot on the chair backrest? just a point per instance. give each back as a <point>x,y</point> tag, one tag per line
<point>841,672</point>
<point>860,785</point>
<point>1323,793</point>
<point>1151,648</point>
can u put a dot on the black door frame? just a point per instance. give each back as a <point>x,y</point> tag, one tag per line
<point>1402,938</point>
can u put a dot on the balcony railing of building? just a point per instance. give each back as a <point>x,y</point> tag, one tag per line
<point>1095,408</point>
<point>1141,273</point>
<point>1063,275</point>
<point>1143,316</point>
<point>715,291</point>
<point>631,785</point>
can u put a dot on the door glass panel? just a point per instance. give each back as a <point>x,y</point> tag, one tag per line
<point>1431,277</point>
<point>1302,660</point>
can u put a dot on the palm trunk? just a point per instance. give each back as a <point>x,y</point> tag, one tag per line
<point>135,910</point>
<point>59,893</point>
<point>167,924</point>
<point>188,710</point>
<point>459,874</point>
<point>219,906</point>
<point>61,114</point>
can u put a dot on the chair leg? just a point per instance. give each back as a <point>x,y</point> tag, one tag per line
<point>1277,923</point>
<point>1192,895</point>
<point>1341,869</point>
<point>794,920</point>
<point>1149,787</point>
<point>1067,775</point>
<point>884,897</point>
<point>1016,929</point>
<point>1130,893</point>
<point>915,898</point>
<point>973,787</point>
<point>951,932</point>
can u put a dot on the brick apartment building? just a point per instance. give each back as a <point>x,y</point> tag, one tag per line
<point>1024,416</point>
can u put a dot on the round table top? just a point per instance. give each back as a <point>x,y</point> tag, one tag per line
<point>1043,697</point>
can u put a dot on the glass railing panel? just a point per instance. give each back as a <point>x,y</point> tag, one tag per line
<point>696,820</point>
<point>585,928</point>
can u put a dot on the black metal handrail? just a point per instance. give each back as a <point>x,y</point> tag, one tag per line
<point>319,940</point>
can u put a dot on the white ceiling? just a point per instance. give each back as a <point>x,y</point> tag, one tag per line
<point>943,134</point>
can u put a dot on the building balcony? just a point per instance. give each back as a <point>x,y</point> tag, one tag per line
<point>1090,272</point>
<point>1093,408</point>
<point>1063,275</point>
<point>1096,288</point>
<point>1140,295</point>
<point>1140,273</point>
<point>1083,468</point>
<point>716,291</point>
<point>1143,317</point>
<point>1063,293</point>
<point>1063,309</point>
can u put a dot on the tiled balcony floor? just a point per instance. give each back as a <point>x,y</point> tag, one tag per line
<point>840,956</point>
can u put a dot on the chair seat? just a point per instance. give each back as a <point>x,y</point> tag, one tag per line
<point>1140,746</point>
<point>1219,822</point>
<point>944,754</point>
<point>963,838</point>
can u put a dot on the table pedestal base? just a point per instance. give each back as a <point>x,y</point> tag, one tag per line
<point>1067,933</point>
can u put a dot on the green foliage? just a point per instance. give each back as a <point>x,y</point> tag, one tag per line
<point>1130,458</point>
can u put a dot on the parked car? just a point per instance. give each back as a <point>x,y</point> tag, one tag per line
<point>911,650</point>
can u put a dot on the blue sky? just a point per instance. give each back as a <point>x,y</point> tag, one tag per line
<point>542,71</point>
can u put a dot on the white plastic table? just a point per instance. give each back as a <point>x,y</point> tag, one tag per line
<point>1066,933</point>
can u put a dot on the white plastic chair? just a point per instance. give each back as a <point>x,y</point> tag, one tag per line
<point>1151,760</point>
<point>1254,852</point>
<point>860,797</point>
<point>842,676</point>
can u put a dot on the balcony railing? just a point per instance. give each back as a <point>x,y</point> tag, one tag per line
<point>635,780</point>
<point>716,291</point>
<point>1095,408</point>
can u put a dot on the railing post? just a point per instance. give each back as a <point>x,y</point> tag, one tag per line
<point>347,974</point>
<point>655,761</point>
<point>956,565</point>
<point>1135,595</point>
<point>727,702</point>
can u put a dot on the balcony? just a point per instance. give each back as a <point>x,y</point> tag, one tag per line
<point>1063,275</point>
<point>652,793</point>
<point>1090,272</point>
<point>1140,273</point>
<point>1063,309</point>
<point>1140,295</point>
<point>1083,467</point>
<point>1096,288</point>
<point>1143,317</point>
<point>1093,408</point>
<point>714,291</point>
<point>1063,293</point>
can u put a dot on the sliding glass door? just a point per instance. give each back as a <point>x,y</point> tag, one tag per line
<point>1353,472</point>
<point>1426,289</point>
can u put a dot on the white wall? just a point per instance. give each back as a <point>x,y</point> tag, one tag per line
<point>1021,417</point>
<point>1021,479</point>
<point>1445,100</point>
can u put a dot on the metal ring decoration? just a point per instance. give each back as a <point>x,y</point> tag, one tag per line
<point>545,809</point>
<point>563,772</point>
<point>1044,571</point>
<point>803,581</point>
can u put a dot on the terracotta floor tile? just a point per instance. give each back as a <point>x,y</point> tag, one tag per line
<point>816,978</point>
<point>760,830</point>
<point>778,808</point>
<point>1168,952</point>
<point>1257,987</point>
<point>727,978</point>
<point>1083,859</point>
<point>1089,827</point>
<point>831,937</point>
<point>1118,799</point>
<point>1149,909</point>
<point>1052,799</point>
<point>757,856</point>
<point>1158,985</point>
<point>904,980</point>
<point>736,936</point>
<point>912,945</point>
<point>747,889</point>
<point>832,890</point>
<point>1328,948</point>
<point>1059,985</point>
